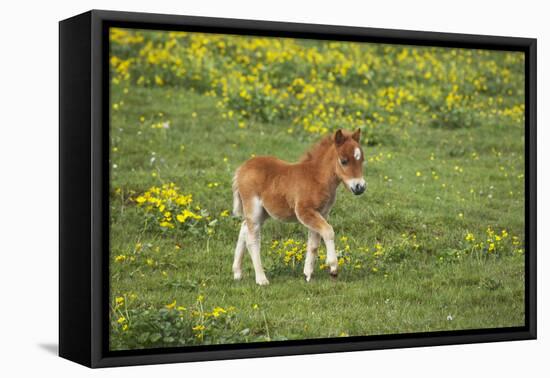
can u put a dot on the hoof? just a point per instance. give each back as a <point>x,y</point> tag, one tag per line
<point>308,278</point>
<point>262,281</point>
<point>237,276</point>
<point>333,275</point>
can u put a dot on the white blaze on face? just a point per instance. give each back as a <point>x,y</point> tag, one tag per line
<point>357,153</point>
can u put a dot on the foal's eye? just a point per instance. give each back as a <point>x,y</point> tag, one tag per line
<point>344,161</point>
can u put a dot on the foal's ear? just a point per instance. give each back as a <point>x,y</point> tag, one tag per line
<point>339,137</point>
<point>356,135</point>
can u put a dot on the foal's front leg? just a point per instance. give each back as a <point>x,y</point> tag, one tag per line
<point>313,239</point>
<point>314,221</point>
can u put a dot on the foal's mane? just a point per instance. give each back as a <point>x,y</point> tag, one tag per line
<point>317,150</point>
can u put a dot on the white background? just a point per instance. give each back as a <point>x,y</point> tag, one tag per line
<point>29,185</point>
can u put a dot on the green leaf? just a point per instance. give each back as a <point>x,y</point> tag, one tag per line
<point>155,337</point>
<point>245,331</point>
<point>143,337</point>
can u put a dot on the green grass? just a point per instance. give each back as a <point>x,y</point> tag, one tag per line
<point>473,181</point>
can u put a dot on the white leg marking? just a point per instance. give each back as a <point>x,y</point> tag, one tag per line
<point>328,237</point>
<point>312,245</point>
<point>253,241</point>
<point>332,259</point>
<point>239,253</point>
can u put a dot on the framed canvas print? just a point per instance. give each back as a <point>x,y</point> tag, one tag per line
<point>233,188</point>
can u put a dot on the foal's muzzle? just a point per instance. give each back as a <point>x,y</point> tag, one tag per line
<point>358,189</point>
<point>357,186</point>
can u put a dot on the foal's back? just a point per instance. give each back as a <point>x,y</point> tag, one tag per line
<point>274,182</point>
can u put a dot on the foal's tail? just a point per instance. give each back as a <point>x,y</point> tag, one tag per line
<point>237,203</point>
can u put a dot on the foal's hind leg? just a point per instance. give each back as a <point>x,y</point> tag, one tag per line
<point>313,220</point>
<point>239,252</point>
<point>255,215</point>
<point>313,239</point>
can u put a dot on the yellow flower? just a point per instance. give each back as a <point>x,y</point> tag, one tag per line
<point>119,300</point>
<point>186,214</point>
<point>184,200</point>
<point>121,320</point>
<point>224,213</point>
<point>198,328</point>
<point>171,305</point>
<point>120,258</point>
<point>125,327</point>
<point>470,237</point>
<point>218,311</point>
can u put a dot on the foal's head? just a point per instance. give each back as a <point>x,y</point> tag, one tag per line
<point>349,165</point>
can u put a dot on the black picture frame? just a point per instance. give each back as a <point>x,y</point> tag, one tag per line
<point>84,188</point>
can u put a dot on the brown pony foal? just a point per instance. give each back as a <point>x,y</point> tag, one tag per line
<point>305,192</point>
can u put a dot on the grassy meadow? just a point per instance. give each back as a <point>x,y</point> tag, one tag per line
<point>435,243</point>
